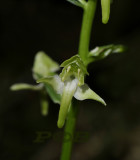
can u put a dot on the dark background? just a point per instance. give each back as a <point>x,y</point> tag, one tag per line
<point>54,26</point>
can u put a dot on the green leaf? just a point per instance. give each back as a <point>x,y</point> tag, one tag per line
<point>43,65</point>
<point>104,51</point>
<point>79,3</point>
<point>84,92</point>
<point>24,86</point>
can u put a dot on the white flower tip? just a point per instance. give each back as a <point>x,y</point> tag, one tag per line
<point>103,102</point>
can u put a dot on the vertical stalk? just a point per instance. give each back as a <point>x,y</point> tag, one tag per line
<point>89,12</point>
<point>69,129</point>
<point>88,16</point>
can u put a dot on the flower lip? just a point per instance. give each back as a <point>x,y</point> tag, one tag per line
<point>69,89</point>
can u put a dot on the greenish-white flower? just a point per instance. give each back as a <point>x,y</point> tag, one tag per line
<point>43,66</point>
<point>70,84</point>
<point>69,89</point>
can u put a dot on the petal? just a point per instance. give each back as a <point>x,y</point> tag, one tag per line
<point>54,81</point>
<point>68,92</point>
<point>24,86</point>
<point>84,92</point>
<point>43,65</point>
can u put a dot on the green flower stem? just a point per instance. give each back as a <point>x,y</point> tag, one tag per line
<point>89,12</point>
<point>69,129</point>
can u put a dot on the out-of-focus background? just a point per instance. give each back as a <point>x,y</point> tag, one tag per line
<point>53,26</point>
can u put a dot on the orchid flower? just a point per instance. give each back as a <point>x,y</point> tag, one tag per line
<point>43,66</point>
<point>69,84</point>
